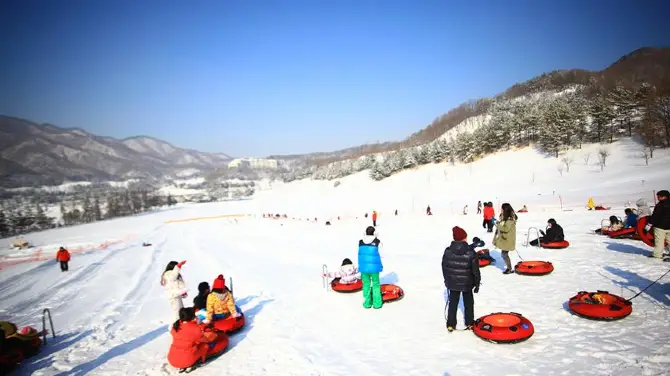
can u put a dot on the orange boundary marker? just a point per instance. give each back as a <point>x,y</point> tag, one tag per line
<point>204,218</point>
<point>39,254</point>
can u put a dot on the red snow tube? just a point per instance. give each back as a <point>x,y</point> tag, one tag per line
<point>522,211</point>
<point>391,293</point>
<point>483,262</point>
<point>646,237</point>
<point>503,328</point>
<point>602,231</point>
<point>336,285</point>
<point>601,208</point>
<point>555,245</point>
<point>623,233</point>
<point>600,305</point>
<point>218,345</point>
<point>230,324</point>
<point>9,361</point>
<point>533,268</point>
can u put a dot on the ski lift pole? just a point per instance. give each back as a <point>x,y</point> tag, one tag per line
<point>46,313</point>
<point>231,286</point>
<point>324,276</point>
<point>537,232</point>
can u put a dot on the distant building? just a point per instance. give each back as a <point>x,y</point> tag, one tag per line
<point>254,163</point>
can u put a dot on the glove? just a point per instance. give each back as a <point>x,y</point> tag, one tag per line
<point>184,295</point>
<point>181,263</point>
<point>205,321</point>
<point>236,315</point>
<point>542,232</point>
<point>476,290</point>
<point>647,227</point>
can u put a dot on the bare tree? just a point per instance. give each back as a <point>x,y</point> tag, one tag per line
<point>560,168</point>
<point>586,157</point>
<point>567,161</point>
<point>603,154</point>
<point>644,153</point>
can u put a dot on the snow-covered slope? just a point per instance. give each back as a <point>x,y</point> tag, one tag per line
<point>111,316</point>
<point>521,177</point>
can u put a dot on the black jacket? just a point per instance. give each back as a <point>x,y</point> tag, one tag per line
<point>661,216</point>
<point>460,267</point>
<point>554,234</point>
<point>200,302</point>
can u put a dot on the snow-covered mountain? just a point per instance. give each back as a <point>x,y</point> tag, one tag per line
<point>33,154</point>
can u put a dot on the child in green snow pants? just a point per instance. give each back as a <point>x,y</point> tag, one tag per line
<point>371,290</point>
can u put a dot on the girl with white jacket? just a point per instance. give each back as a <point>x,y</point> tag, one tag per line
<point>175,288</point>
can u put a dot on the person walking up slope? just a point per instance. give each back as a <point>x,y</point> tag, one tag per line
<point>374,218</point>
<point>660,219</point>
<point>175,289</point>
<point>460,268</point>
<point>505,237</point>
<point>63,257</point>
<point>370,265</point>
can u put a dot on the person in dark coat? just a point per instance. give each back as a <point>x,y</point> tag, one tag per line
<point>460,268</point>
<point>660,220</point>
<point>200,301</point>
<point>554,233</point>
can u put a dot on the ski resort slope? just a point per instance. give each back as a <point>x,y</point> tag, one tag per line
<point>112,318</point>
<point>521,177</point>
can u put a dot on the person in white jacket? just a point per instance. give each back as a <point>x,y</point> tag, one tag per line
<point>347,274</point>
<point>175,288</point>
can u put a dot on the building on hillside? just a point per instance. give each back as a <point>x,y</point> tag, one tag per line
<point>254,163</point>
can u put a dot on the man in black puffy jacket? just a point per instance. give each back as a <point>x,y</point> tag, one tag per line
<point>660,219</point>
<point>460,268</point>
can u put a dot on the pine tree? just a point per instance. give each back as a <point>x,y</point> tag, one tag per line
<point>602,115</point>
<point>396,161</point>
<point>379,171</point>
<point>42,221</point>
<point>410,158</point>
<point>97,212</point>
<point>170,200</point>
<point>88,215</point>
<point>623,102</point>
<point>64,214</point>
<point>4,225</point>
<point>112,207</point>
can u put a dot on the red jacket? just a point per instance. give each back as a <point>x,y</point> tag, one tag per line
<point>63,255</point>
<point>188,345</point>
<point>374,216</point>
<point>489,213</point>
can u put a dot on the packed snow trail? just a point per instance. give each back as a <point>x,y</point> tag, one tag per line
<point>111,315</point>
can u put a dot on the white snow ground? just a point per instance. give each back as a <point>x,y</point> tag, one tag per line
<point>111,317</point>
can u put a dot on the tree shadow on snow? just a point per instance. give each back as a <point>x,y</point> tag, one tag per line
<point>249,315</point>
<point>45,357</point>
<point>658,292</point>
<point>391,278</point>
<point>626,248</point>
<point>119,350</point>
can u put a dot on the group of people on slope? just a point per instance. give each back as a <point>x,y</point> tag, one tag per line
<point>659,219</point>
<point>190,341</point>
<point>369,267</point>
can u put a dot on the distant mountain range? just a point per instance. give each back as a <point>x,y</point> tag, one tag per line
<point>33,154</point>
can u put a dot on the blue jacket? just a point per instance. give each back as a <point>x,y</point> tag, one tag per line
<point>631,220</point>
<point>369,260</point>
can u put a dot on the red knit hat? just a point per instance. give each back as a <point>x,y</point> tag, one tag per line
<point>219,283</point>
<point>459,234</point>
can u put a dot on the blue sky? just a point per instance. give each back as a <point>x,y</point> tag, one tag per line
<point>263,77</point>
